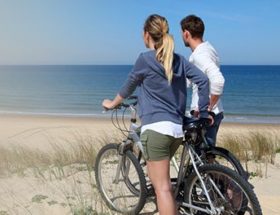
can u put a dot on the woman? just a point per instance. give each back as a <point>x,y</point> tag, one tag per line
<point>160,76</point>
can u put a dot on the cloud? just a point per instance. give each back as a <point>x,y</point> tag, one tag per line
<point>232,17</point>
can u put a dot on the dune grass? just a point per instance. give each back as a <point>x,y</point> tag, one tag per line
<point>82,150</point>
<point>67,168</point>
<point>255,146</point>
<point>76,150</point>
<point>72,160</point>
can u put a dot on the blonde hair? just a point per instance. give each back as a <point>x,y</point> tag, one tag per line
<point>157,27</point>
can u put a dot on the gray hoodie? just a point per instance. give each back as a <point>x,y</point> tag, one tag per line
<point>157,99</point>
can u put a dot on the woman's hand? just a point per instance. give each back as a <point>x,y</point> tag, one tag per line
<point>107,104</point>
<point>110,104</point>
<point>195,113</point>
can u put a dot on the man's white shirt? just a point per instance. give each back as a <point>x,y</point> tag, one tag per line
<point>206,59</point>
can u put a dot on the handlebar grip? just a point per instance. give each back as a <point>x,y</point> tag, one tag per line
<point>132,97</point>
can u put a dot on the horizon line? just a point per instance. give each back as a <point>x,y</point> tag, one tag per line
<point>123,64</point>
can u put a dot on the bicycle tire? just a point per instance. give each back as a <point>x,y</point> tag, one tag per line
<point>117,195</point>
<point>230,185</point>
<point>132,186</point>
<point>231,158</point>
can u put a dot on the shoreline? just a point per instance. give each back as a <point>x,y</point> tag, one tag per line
<point>228,119</point>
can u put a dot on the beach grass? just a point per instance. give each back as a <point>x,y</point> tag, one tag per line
<point>67,170</point>
<point>254,147</point>
<point>68,167</point>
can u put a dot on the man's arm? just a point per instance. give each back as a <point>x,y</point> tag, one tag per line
<point>213,101</point>
<point>216,78</point>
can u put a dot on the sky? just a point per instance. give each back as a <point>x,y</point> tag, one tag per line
<point>55,32</point>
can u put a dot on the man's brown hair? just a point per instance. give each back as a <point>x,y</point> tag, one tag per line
<point>194,25</point>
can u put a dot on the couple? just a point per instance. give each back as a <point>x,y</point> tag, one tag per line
<point>160,77</point>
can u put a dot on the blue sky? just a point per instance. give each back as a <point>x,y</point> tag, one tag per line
<point>110,32</point>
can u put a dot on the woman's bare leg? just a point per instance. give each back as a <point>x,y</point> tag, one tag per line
<point>159,175</point>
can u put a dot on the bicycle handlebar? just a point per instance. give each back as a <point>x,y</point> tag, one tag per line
<point>192,112</point>
<point>129,104</point>
<point>190,122</point>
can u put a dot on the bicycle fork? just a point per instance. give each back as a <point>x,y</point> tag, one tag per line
<point>120,163</point>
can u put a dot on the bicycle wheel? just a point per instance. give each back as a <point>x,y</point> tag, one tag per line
<point>226,158</point>
<point>112,183</point>
<point>228,191</point>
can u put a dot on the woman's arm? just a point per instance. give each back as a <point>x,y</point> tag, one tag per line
<point>111,104</point>
<point>135,77</point>
<point>200,79</point>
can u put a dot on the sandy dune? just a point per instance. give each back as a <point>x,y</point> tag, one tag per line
<point>52,193</point>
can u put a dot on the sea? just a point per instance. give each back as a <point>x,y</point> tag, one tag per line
<point>251,93</point>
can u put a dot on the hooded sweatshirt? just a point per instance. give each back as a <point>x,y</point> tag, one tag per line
<point>157,99</point>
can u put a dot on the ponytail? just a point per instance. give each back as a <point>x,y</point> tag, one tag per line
<point>157,27</point>
<point>164,55</point>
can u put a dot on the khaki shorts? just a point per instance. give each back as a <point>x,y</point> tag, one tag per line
<point>158,146</point>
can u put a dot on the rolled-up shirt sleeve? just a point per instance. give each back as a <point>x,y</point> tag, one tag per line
<point>213,73</point>
<point>134,78</point>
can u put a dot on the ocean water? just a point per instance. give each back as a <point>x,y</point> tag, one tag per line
<point>251,94</point>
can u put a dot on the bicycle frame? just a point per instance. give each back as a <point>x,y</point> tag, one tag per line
<point>134,137</point>
<point>188,155</point>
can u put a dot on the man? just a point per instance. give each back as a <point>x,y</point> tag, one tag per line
<point>205,57</point>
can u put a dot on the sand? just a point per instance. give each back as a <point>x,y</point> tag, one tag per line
<point>30,193</point>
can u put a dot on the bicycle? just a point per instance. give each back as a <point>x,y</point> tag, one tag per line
<point>195,134</point>
<point>199,187</point>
